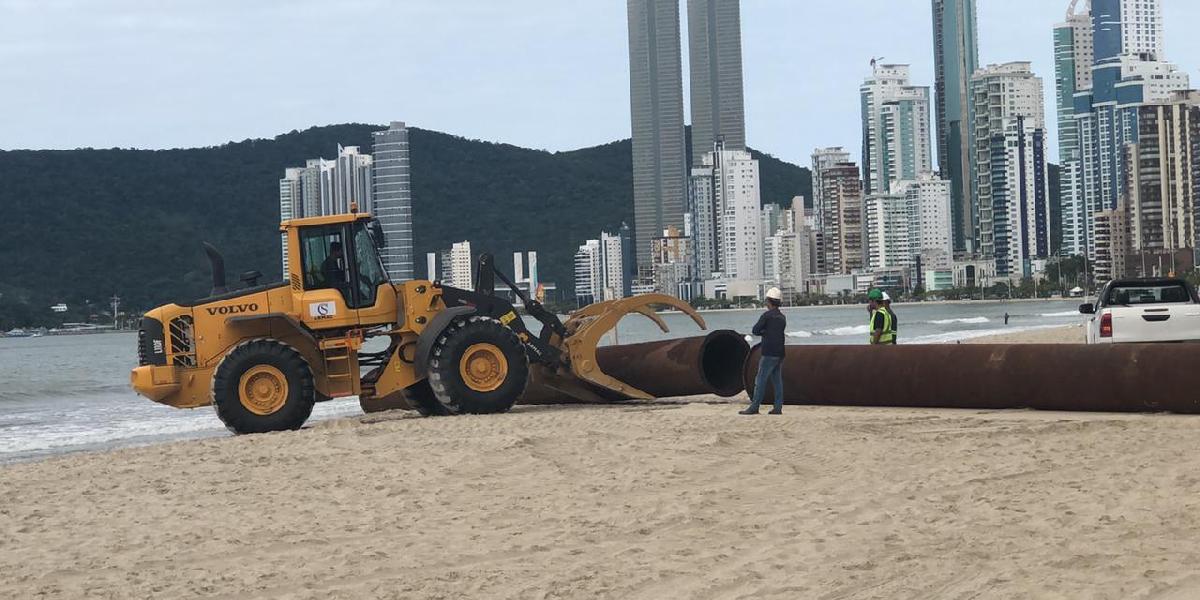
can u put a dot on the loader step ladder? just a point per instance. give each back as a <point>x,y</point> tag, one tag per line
<point>340,356</point>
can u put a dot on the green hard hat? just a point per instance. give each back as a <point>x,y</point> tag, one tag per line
<point>875,294</point>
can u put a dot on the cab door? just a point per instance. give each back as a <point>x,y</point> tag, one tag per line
<point>374,298</point>
<point>329,299</point>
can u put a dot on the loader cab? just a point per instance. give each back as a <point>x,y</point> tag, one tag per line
<point>339,274</point>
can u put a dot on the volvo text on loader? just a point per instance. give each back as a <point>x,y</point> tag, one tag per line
<point>263,355</point>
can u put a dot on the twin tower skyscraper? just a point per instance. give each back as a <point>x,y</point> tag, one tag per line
<point>660,156</point>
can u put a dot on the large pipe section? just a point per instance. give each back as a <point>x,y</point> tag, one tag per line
<point>711,364</point>
<point>1072,377</point>
<point>685,367</point>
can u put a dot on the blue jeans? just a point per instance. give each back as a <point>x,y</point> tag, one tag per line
<point>768,367</point>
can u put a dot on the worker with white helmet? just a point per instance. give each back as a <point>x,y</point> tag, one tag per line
<point>771,326</point>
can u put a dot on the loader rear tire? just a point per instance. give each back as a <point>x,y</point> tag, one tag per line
<point>261,386</point>
<point>478,366</point>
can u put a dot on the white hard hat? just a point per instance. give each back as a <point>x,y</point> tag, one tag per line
<point>775,294</point>
<point>886,297</point>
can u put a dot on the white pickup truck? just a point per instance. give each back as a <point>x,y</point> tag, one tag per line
<point>1144,310</point>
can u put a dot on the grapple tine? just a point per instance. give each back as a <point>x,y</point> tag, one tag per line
<point>592,323</point>
<point>653,316</point>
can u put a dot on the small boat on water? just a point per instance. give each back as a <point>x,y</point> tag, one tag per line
<point>19,333</point>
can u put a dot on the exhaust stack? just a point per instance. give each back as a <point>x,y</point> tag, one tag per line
<point>217,265</point>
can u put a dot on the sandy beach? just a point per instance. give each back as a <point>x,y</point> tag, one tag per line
<point>656,500</point>
<point>1069,334</point>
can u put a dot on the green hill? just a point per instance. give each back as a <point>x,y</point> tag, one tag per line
<point>85,224</point>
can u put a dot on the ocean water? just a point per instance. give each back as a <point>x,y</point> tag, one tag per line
<point>71,393</point>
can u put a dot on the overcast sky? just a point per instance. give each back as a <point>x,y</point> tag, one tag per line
<point>547,74</point>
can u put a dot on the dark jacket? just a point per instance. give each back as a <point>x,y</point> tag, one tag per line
<point>770,327</point>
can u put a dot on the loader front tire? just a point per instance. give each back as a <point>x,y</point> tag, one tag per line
<point>421,398</point>
<point>261,386</point>
<point>478,366</point>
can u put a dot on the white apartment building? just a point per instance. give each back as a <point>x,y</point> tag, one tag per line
<point>895,123</point>
<point>824,159</point>
<point>1008,167</point>
<point>736,224</point>
<point>291,201</point>
<point>599,273</point>
<point>588,273</point>
<point>702,223</point>
<point>612,283</point>
<point>910,223</point>
<point>1140,23</point>
<point>462,266</point>
<point>351,182</point>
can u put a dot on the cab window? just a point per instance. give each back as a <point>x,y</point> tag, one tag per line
<point>324,259</point>
<point>370,270</point>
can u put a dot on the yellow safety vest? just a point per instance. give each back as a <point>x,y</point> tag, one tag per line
<point>889,330</point>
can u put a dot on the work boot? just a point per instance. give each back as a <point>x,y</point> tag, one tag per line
<point>776,411</point>
<point>747,412</point>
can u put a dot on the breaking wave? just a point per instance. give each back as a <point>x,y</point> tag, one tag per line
<point>1065,313</point>
<point>844,331</point>
<point>968,320</point>
<point>800,334</point>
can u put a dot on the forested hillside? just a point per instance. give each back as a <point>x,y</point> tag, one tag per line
<point>82,225</point>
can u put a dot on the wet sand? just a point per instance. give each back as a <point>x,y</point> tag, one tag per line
<point>657,500</point>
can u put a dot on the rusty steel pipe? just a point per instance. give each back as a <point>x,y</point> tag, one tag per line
<point>711,364</point>
<point>685,367</point>
<point>1071,377</point>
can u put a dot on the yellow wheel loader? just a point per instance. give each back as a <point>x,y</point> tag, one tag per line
<point>264,354</point>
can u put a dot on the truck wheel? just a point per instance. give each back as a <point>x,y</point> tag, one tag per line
<point>421,398</point>
<point>261,386</point>
<point>478,366</point>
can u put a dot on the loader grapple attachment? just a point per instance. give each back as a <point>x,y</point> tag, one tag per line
<point>586,327</point>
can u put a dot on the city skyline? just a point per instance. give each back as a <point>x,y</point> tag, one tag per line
<point>793,103</point>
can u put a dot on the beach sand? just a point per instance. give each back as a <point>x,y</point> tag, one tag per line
<point>654,500</point>
<point>1067,334</point>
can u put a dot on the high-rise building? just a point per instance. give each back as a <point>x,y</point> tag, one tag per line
<point>392,203</point>
<point>316,183</point>
<point>1111,243</point>
<point>1073,58</point>
<point>588,273</point>
<point>910,226</point>
<point>808,244</point>
<point>895,123</point>
<point>1129,69</point>
<point>1012,223</point>
<point>325,187</point>
<point>728,217</point>
<point>628,260</point>
<point>956,58</point>
<point>462,266</point>
<point>673,264</point>
<point>1164,177</point>
<point>352,180</point>
<point>656,108</point>
<point>774,218</point>
<point>291,206</point>
<point>715,56</point>
<point>612,281</point>
<point>702,221</point>
<point>841,191</point>
<point>824,159</point>
<point>600,271</point>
